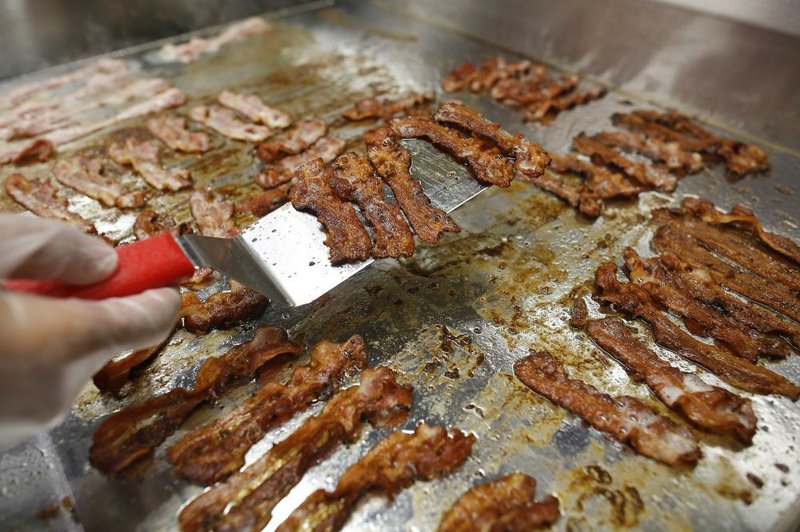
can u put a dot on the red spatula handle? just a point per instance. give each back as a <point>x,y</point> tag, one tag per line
<point>152,263</point>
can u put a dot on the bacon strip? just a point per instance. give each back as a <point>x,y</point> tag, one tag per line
<point>216,450</point>
<point>353,180</point>
<point>172,131</point>
<point>374,108</point>
<point>574,195</point>
<point>530,159</point>
<point>142,155</point>
<point>488,165</point>
<point>491,73</point>
<point>191,51</point>
<point>263,202</point>
<point>521,90</point>
<point>86,176</point>
<point>634,301</point>
<point>393,162</point>
<point>504,504</point>
<point>347,239</point>
<point>678,160</point>
<point>293,141</point>
<point>213,214</point>
<point>222,310</point>
<point>40,197</point>
<point>326,148</point>
<point>124,443</point>
<point>224,121</point>
<point>246,500</point>
<point>150,223</point>
<point>649,175</point>
<point>393,464</point>
<point>117,372</point>
<point>625,418</point>
<point>253,108</point>
<point>550,108</point>
<point>39,150</point>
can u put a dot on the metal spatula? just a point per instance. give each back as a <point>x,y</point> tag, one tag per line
<point>282,256</point>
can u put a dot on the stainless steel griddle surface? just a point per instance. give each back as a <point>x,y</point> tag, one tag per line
<point>452,320</point>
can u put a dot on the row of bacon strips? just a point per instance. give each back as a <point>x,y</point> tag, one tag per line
<point>243,497</point>
<point>651,152</point>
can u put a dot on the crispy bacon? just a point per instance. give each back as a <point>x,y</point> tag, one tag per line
<point>150,223</point>
<point>649,175</point>
<point>547,109</point>
<point>40,197</point>
<point>353,180</point>
<point>490,74</point>
<point>213,214</point>
<point>326,148</point>
<point>293,141</point>
<point>85,175</point>
<point>678,160</point>
<point>216,450</point>
<point>246,500</point>
<point>635,301</point>
<point>225,122</point>
<point>117,371</point>
<point>521,90</point>
<point>253,108</point>
<point>143,156</point>
<point>374,108</point>
<point>393,464</point>
<point>124,443</point>
<point>487,163</point>
<point>625,418</point>
<point>347,238</point>
<point>504,504</point>
<point>263,202</point>
<point>222,310</point>
<point>576,195</point>
<point>191,51</point>
<point>393,162</point>
<point>530,159</point>
<point>171,130</point>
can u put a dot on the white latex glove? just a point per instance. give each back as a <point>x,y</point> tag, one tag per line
<point>50,348</point>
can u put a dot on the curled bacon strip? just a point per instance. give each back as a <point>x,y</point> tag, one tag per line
<point>222,310</point>
<point>374,108</point>
<point>143,157</point>
<point>86,175</point>
<point>172,131</point>
<point>40,197</point>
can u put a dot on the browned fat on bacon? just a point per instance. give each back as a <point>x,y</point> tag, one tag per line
<point>40,197</point>
<point>247,499</point>
<point>124,443</point>
<point>143,156</point>
<point>649,175</point>
<point>85,175</point>
<point>213,214</point>
<point>172,131</point>
<point>699,318</point>
<point>326,148</point>
<point>374,108</point>
<point>393,464</point>
<point>504,504</point>
<point>293,141</point>
<point>222,310</point>
<point>225,122</point>
<point>487,163</point>
<point>117,372</point>
<point>635,301</point>
<point>625,418</point>
<point>253,108</point>
<point>353,180</point>
<point>530,159</point>
<point>709,407</point>
<point>678,160</point>
<point>347,238</point>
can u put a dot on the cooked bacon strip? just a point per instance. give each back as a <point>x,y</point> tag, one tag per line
<point>649,175</point>
<point>548,109</point>
<point>625,418</point>
<point>678,160</point>
<point>393,162</point>
<point>246,500</point>
<point>143,156</point>
<point>117,371</point>
<point>253,108</point>
<point>600,181</point>
<point>216,450</point>
<point>263,202</point>
<point>222,310</point>
<point>347,238</point>
<point>171,130</point>
<point>374,108</point>
<point>39,150</point>
<point>709,407</point>
<point>326,148</point>
<point>489,74</point>
<point>699,318</point>
<point>635,301</point>
<point>637,123</point>
<point>225,121</point>
<point>530,158</point>
<point>488,165</point>
<point>393,464</point>
<point>150,223</point>
<point>86,176</point>
<point>39,196</point>
<point>213,214</point>
<point>575,195</point>
<point>521,89</point>
<point>670,239</point>
<point>191,51</point>
<point>124,442</point>
<point>353,180</point>
<point>293,141</point>
<point>504,504</point>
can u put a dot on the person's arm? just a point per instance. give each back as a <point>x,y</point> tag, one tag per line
<point>50,348</point>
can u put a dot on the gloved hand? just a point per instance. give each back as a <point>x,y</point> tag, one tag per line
<point>50,348</point>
